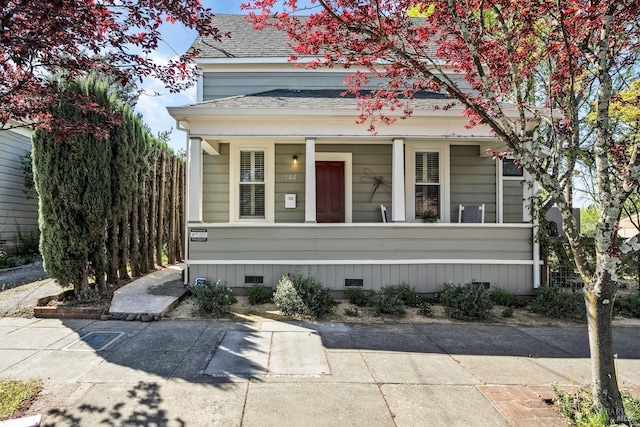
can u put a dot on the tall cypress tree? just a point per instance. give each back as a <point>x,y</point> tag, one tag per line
<point>70,177</point>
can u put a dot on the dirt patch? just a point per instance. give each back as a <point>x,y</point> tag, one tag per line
<point>243,311</point>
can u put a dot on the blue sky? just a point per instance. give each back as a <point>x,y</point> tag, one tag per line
<point>176,41</point>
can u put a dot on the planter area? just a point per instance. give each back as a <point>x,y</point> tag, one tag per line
<point>47,307</point>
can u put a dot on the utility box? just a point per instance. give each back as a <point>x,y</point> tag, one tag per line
<point>289,201</point>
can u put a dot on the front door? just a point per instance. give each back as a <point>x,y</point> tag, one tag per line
<point>330,191</point>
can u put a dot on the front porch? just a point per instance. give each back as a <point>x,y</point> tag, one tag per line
<point>369,255</point>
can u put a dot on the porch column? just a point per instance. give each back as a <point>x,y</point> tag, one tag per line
<point>310,181</point>
<point>194,180</point>
<point>397,186</point>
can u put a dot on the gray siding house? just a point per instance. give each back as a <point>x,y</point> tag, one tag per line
<point>16,211</point>
<point>281,179</point>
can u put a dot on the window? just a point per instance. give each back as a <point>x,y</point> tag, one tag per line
<point>427,185</point>
<point>252,184</point>
<point>511,168</point>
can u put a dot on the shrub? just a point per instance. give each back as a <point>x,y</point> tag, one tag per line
<point>351,311</point>
<point>506,299</point>
<point>358,297</point>
<point>425,308</point>
<point>213,298</point>
<point>469,301</point>
<point>388,301</point>
<point>558,303</point>
<point>628,305</point>
<point>407,294</point>
<point>258,294</point>
<point>507,312</point>
<point>303,296</point>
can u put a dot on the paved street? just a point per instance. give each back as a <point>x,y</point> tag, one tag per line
<point>208,373</point>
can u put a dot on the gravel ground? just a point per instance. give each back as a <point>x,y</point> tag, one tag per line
<point>21,287</point>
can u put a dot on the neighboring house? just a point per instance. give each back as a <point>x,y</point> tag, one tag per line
<point>281,179</point>
<point>16,210</point>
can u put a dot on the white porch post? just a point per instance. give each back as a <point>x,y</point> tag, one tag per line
<point>310,181</point>
<point>397,186</point>
<point>194,180</point>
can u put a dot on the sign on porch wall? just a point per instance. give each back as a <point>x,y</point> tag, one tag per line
<point>198,235</point>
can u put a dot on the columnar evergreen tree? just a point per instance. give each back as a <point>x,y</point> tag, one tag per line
<point>74,202</point>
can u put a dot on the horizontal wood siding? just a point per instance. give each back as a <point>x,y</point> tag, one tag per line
<point>512,200</point>
<point>473,181</point>
<point>215,186</point>
<point>375,242</point>
<point>428,278</point>
<point>290,179</point>
<point>16,211</point>
<point>367,161</point>
<point>225,84</point>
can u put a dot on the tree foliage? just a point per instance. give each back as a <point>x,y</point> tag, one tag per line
<point>529,67</point>
<point>95,195</point>
<point>40,39</point>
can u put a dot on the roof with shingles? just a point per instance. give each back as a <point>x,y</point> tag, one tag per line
<point>245,41</point>
<point>314,99</point>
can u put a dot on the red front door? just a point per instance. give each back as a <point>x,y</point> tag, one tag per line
<point>330,192</point>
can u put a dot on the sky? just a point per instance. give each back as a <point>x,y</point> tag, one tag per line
<point>177,40</point>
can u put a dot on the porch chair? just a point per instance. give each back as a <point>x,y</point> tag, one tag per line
<point>386,214</point>
<point>471,214</point>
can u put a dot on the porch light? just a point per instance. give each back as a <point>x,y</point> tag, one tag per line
<point>295,160</point>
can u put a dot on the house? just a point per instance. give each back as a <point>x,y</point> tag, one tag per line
<point>282,179</point>
<point>17,211</point>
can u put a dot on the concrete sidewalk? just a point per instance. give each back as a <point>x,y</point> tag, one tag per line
<point>220,373</point>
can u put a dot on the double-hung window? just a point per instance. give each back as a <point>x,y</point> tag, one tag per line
<point>428,188</point>
<point>252,184</point>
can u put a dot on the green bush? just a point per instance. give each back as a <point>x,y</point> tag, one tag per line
<point>213,298</point>
<point>469,301</point>
<point>302,296</point>
<point>258,294</point>
<point>507,312</point>
<point>559,303</point>
<point>506,299</point>
<point>407,294</point>
<point>628,305</point>
<point>425,308</point>
<point>357,296</point>
<point>351,311</point>
<point>388,300</point>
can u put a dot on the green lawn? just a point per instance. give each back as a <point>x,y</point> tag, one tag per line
<point>13,393</point>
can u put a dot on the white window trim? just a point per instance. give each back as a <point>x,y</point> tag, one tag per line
<point>234,180</point>
<point>410,178</point>
<point>348,179</point>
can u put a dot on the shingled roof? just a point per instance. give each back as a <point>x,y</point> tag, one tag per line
<point>313,99</point>
<point>245,41</point>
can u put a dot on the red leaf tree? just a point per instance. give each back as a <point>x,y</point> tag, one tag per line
<point>546,60</point>
<point>69,38</point>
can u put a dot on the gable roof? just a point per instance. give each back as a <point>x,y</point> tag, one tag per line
<point>245,41</point>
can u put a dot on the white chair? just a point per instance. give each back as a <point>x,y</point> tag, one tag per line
<point>471,214</point>
<point>386,214</point>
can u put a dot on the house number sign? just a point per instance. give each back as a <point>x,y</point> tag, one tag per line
<point>292,177</point>
<point>198,235</point>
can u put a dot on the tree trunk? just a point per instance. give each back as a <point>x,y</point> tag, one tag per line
<point>180,212</point>
<point>603,361</point>
<point>171,241</point>
<point>144,231</point>
<point>153,215</point>
<point>161,195</point>
<point>112,269</point>
<point>134,251</point>
<point>123,245</point>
